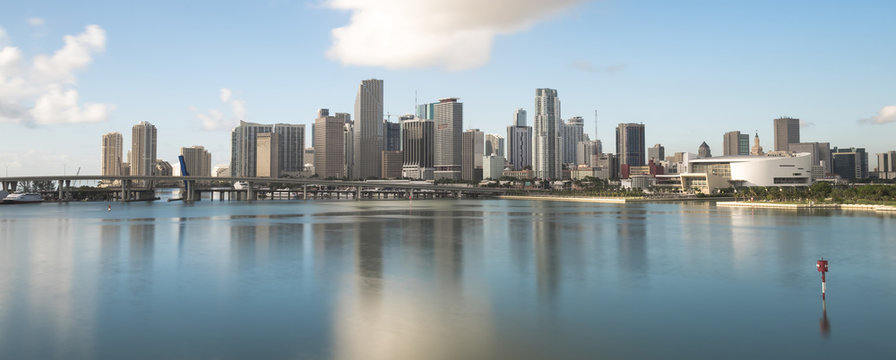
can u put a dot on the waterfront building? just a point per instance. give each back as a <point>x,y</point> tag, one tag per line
<point>656,153</point>
<point>850,163</point>
<point>519,174</point>
<point>707,175</point>
<point>787,131</point>
<point>368,130</point>
<point>587,151</point>
<point>492,166</point>
<point>735,143</point>
<point>291,151</point>
<point>329,154</point>
<point>886,165</point>
<point>197,160</point>
<point>606,167</point>
<point>143,149</point>
<point>547,147</point>
<point>630,144</point>
<point>471,154</point>
<point>573,133</point>
<point>348,131</point>
<point>418,140</point>
<point>113,147</point>
<point>267,161</point>
<point>243,148</point>
<point>704,151</point>
<point>449,121</point>
<point>392,164</point>
<point>519,142</point>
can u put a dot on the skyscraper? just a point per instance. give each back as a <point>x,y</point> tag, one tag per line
<point>243,148</point>
<point>573,133</point>
<point>656,153</point>
<point>368,130</point>
<point>267,155</point>
<point>519,117</point>
<point>143,149</point>
<point>630,144</point>
<point>291,152</point>
<point>787,131</point>
<point>392,136</point>
<point>471,153</point>
<point>703,151</point>
<point>735,143</point>
<point>418,136</point>
<point>329,154</point>
<point>547,134</point>
<point>198,161</point>
<point>113,147</point>
<point>494,145</point>
<point>449,121</point>
<point>850,163</point>
<point>821,154</point>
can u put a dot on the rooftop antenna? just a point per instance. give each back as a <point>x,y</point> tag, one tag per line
<point>595,125</point>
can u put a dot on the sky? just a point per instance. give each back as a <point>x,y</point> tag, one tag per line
<point>689,70</point>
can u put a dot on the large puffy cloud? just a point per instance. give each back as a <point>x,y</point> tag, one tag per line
<point>887,114</point>
<point>430,33</point>
<point>42,91</point>
<point>215,119</point>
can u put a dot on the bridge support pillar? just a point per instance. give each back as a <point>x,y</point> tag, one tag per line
<point>61,192</point>
<point>305,192</point>
<point>358,193</point>
<point>250,193</point>
<point>125,190</point>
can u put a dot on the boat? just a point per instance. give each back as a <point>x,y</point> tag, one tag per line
<point>22,198</point>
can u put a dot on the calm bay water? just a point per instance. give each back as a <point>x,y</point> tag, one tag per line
<point>442,280</point>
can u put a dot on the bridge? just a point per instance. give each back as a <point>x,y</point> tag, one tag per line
<point>137,188</point>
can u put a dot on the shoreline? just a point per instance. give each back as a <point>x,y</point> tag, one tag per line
<point>860,207</point>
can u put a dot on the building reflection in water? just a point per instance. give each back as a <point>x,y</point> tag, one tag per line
<point>632,245</point>
<point>141,252</point>
<point>416,316</point>
<point>253,245</point>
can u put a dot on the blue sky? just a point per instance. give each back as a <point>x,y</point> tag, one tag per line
<point>689,70</point>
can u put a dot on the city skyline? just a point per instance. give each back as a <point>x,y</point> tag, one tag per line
<point>196,94</point>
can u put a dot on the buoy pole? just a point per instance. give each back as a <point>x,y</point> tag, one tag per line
<point>822,266</point>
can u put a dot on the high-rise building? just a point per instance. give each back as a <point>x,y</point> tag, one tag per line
<point>703,151</point>
<point>392,164</point>
<point>519,117</point>
<point>291,151</point>
<point>735,143</point>
<point>492,167</point>
<point>821,154</point>
<point>197,160</point>
<point>850,163</point>
<point>886,162</point>
<point>519,142</point>
<point>656,153</point>
<point>426,111</point>
<point>163,168</point>
<point>418,141</point>
<point>494,145</point>
<point>143,149</point>
<point>547,147</point>
<point>449,121</point>
<point>471,153</point>
<point>113,147</point>
<point>587,152</point>
<point>267,160</point>
<point>630,144</point>
<point>243,148</point>
<point>368,130</point>
<point>787,131</point>
<point>329,154</point>
<point>392,136</point>
<point>573,132</point>
<point>348,131</point>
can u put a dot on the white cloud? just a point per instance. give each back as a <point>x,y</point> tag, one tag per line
<point>42,91</point>
<point>431,33</point>
<point>214,119</point>
<point>887,114</point>
<point>36,22</point>
<point>805,124</point>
